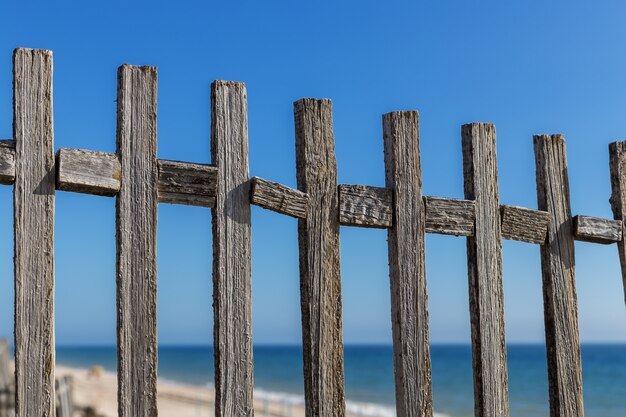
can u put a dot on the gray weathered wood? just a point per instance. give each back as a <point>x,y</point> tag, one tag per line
<point>617,162</point>
<point>365,206</point>
<point>320,278</point>
<point>232,303</point>
<point>33,202</point>
<point>526,225</point>
<point>596,230</point>
<point>407,268</point>
<point>7,382</point>
<point>65,396</point>
<point>88,172</point>
<point>99,173</point>
<point>449,216</point>
<point>185,183</point>
<point>277,197</point>
<point>136,224</point>
<point>484,258</point>
<point>559,284</point>
<point>7,162</point>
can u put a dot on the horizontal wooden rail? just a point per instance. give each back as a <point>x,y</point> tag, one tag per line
<point>524,224</point>
<point>100,173</point>
<point>277,197</point>
<point>449,216</point>
<point>596,230</point>
<point>365,206</point>
<point>7,162</point>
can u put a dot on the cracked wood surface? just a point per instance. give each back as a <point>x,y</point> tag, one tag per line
<point>559,283</point>
<point>232,302</point>
<point>407,268</point>
<point>33,202</point>
<point>320,278</point>
<point>136,226</point>
<point>484,265</point>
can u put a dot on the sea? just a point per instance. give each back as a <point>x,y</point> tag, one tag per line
<point>369,383</point>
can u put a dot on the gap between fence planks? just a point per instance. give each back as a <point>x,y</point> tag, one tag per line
<point>559,284</point>
<point>407,267</point>
<point>33,201</point>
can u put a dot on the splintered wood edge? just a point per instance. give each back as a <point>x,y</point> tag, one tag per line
<point>99,173</point>
<point>597,230</point>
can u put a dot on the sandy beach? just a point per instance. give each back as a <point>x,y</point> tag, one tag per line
<point>98,390</point>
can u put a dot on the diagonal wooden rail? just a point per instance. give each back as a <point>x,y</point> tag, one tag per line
<point>139,181</point>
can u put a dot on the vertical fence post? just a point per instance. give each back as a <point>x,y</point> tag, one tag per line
<point>320,277</point>
<point>33,202</point>
<point>559,283</point>
<point>232,302</point>
<point>136,223</point>
<point>484,267</point>
<point>617,162</point>
<point>407,269</point>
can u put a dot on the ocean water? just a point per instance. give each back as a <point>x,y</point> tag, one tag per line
<point>369,376</point>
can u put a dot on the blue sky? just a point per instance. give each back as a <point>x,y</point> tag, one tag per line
<point>529,67</point>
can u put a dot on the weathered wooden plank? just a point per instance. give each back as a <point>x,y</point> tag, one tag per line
<point>88,172</point>
<point>33,202</point>
<point>407,268</point>
<point>136,216</point>
<point>7,162</point>
<point>365,206</point>
<point>449,216</point>
<point>186,183</point>
<point>617,163</point>
<point>320,278</point>
<point>277,197</point>
<point>232,303</point>
<point>559,285</point>
<point>596,230</point>
<point>99,173</point>
<point>484,265</point>
<point>526,225</point>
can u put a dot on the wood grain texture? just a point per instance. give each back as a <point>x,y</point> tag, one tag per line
<point>484,265</point>
<point>559,282</point>
<point>7,162</point>
<point>88,172</point>
<point>99,173</point>
<point>449,216</point>
<point>617,164</point>
<point>320,278</point>
<point>523,224</point>
<point>136,225</point>
<point>597,230</point>
<point>407,269</point>
<point>33,203</point>
<point>232,302</point>
<point>277,197</point>
<point>187,183</point>
<point>365,206</point>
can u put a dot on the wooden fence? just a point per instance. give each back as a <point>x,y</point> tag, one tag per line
<point>139,181</point>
